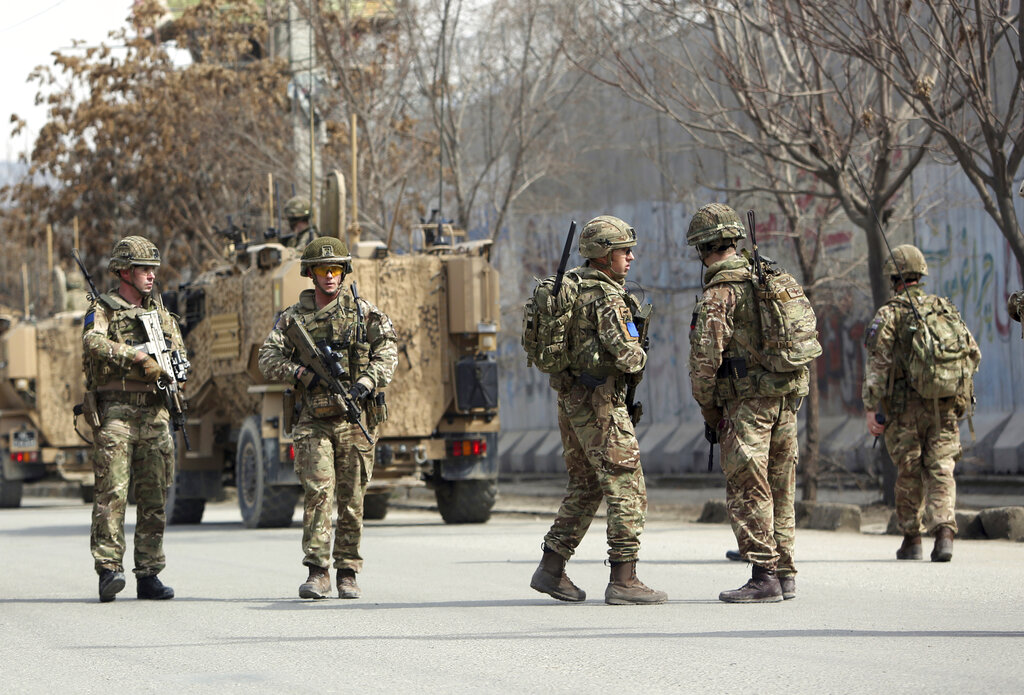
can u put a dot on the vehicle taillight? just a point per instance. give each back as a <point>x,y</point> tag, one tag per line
<point>291,452</point>
<point>25,456</point>
<point>467,447</point>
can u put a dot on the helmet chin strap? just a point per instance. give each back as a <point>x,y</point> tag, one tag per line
<point>332,295</point>
<point>131,283</point>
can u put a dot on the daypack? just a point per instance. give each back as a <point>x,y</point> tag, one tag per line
<point>546,321</point>
<point>789,328</point>
<point>938,362</point>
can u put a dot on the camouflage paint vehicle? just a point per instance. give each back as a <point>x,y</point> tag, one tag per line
<point>40,381</point>
<point>443,409</point>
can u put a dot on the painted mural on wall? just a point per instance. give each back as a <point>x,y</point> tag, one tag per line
<point>969,262</point>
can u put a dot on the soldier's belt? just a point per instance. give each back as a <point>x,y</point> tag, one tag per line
<point>127,386</point>
<point>137,398</point>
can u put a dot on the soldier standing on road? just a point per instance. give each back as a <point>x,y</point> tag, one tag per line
<point>602,455</point>
<point>921,435</point>
<point>133,441</point>
<point>298,212</point>
<point>333,460</point>
<point>750,411</point>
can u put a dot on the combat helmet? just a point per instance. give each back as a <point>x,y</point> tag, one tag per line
<point>326,250</point>
<point>132,251</point>
<point>714,222</point>
<point>906,260</point>
<point>604,233</point>
<point>297,208</point>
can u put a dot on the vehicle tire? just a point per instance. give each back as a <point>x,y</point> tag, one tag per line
<point>375,505</point>
<point>183,510</point>
<point>88,493</point>
<point>465,501</point>
<point>10,493</point>
<point>262,505</point>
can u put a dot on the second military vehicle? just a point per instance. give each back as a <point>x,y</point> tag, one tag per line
<point>442,297</point>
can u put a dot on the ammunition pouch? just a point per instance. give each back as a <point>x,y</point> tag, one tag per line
<point>376,409</point>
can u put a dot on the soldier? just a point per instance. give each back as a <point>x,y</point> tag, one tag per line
<point>921,435</point>
<point>750,411</point>
<point>297,211</point>
<point>333,458</point>
<point>1015,307</point>
<point>133,440</point>
<point>602,455</point>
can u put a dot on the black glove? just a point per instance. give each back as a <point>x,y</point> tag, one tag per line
<point>309,378</point>
<point>710,434</point>
<point>358,393</point>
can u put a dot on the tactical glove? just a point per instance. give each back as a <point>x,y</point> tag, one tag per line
<point>307,377</point>
<point>712,416</point>
<point>358,393</point>
<point>152,372</point>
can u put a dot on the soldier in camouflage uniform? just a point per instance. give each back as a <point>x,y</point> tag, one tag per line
<point>750,411</point>
<point>602,455</point>
<point>1015,308</point>
<point>298,212</point>
<point>133,440</point>
<point>922,436</point>
<point>333,460</point>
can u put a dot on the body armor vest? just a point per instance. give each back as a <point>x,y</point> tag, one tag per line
<point>123,326</point>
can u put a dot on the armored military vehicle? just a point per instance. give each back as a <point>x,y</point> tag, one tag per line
<point>40,381</point>
<point>442,297</point>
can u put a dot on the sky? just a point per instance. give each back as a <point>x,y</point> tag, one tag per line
<point>30,30</point>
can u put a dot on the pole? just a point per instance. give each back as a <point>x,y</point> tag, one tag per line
<point>49,263</point>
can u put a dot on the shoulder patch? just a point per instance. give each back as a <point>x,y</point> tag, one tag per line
<point>628,327</point>
<point>872,332</point>
<point>90,319</point>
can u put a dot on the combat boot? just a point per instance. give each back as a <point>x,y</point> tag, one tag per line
<point>153,589</point>
<point>943,550</point>
<point>762,587</point>
<point>551,579</point>
<point>317,585</point>
<point>347,587</point>
<point>788,585</point>
<point>111,583</point>
<point>625,589</point>
<point>911,548</point>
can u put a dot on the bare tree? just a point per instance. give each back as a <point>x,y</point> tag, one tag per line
<point>960,65</point>
<point>745,80</point>
<point>495,85</point>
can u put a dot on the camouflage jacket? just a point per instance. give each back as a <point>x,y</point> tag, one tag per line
<point>369,344</point>
<point>111,330</point>
<point>602,338</point>
<point>725,318</point>
<point>885,341</point>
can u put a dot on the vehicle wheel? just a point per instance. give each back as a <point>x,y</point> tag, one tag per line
<point>465,501</point>
<point>88,493</point>
<point>262,505</point>
<point>10,493</point>
<point>183,510</point>
<point>375,505</point>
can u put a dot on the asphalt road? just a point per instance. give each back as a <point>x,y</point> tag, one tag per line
<point>448,609</point>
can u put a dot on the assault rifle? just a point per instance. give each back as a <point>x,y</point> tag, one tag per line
<point>642,321</point>
<point>566,250</point>
<point>94,294</point>
<point>174,364</point>
<point>322,361</point>
<point>758,263</point>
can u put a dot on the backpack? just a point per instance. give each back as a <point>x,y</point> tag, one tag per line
<point>789,328</point>
<point>546,321</point>
<point>938,362</point>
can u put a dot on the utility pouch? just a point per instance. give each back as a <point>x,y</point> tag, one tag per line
<point>376,410</point>
<point>288,416</point>
<point>91,410</point>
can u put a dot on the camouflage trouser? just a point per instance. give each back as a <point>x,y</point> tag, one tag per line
<point>334,462</point>
<point>133,442</point>
<point>759,456</point>
<point>602,458</point>
<point>925,451</point>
